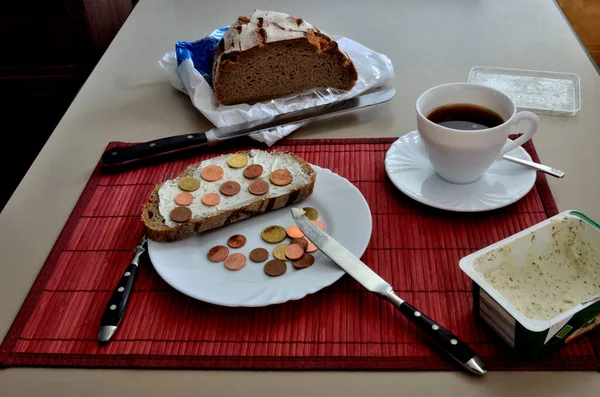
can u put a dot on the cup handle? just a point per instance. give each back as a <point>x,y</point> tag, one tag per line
<point>535,123</point>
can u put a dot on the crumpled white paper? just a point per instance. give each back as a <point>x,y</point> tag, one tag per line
<point>374,69</point>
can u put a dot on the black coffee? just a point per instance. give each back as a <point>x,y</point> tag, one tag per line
<point>464,116</point>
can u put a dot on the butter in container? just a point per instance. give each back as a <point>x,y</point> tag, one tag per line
<point>540,288</point>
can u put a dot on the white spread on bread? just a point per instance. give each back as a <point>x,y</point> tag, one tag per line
<point>269,162</point>
<point>277,26</point>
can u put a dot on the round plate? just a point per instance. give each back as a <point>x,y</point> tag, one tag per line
<point>183,264</point>
<point>409,169</point>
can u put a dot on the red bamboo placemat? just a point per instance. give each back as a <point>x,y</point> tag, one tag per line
<point>414,247</point>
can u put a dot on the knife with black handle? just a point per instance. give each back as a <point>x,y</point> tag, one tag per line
<point>117,304</point>
<point>443,338</point>
<point>169,145</point>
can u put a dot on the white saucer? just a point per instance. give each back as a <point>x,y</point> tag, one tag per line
<point>408,167</point>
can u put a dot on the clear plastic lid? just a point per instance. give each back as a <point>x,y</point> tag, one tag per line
<point>535,90</point>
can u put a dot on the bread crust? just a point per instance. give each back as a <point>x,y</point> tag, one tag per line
<point>157,230</point>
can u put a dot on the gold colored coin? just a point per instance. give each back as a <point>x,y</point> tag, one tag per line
<point>237,161</point>
<point>189,184</point>
<point>279,252</point>
<point>311,213</point>
<point>273,234</point>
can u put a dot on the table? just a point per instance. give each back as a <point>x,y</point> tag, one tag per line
<point>429,42</point>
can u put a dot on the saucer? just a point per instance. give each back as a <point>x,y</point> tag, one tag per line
<point>408,167</point>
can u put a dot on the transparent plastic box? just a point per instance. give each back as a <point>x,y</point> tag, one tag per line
<point>538,91</point>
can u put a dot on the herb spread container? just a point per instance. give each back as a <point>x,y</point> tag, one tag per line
<point>540,288</point>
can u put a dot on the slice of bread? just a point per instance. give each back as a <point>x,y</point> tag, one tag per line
<point>155,212</point>
<point>272,54</point>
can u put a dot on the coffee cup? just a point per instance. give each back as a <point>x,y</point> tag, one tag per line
<point>451,121</point>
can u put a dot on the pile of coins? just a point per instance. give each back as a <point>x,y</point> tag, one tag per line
<point>213,173</point>
<point>298,251</point>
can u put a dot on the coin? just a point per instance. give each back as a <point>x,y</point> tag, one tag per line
<point>306,261</point>
<point>319,224</point>
<point>294,232</point>
<point>218,253</point>
<point>294,252</point>
<point>273,234</point>
<point>259,255</point>
<point>189,184</point>
<point>236,241</point>
<point>302,242</point>
<point>181,214</point>
<point>258,187</point>
<point>275,267</point>
<point>237,160</point>
<point>281,177</point>
<point>311,247</point>
<point>279,251</point>
<point>311,213</point>
<point>211,199</point>
<point>230,188</point>
<point>184,198</point>
<point>253,171</point>
<point>212,173</point>
<point>235,261</point>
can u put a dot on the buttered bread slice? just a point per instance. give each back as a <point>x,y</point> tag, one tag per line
<point>226,189</point>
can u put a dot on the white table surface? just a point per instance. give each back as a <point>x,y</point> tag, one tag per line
<point>429,42</point>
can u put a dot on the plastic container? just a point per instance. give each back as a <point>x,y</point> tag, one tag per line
<point>528,337</point>
<point>534,90</point>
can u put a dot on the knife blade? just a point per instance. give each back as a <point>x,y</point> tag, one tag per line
<point>159,147</point>
<point>443,338</point>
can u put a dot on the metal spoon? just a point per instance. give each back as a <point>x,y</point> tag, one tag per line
<point>541,167</point>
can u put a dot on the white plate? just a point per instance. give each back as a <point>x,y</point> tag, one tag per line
<point>408,167</point>
<point>183,264</point>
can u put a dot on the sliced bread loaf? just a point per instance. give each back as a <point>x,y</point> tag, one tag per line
<point>226,189</point>
<point>271,54</point>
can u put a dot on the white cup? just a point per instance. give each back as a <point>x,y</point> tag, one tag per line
<point>463,156</point>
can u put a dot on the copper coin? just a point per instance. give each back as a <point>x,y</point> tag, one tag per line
<point>258,187</point>
<point>189,184</point>
<point>212,173</point>
<point>184,198</point>
<point>235,261</point>
<point>302,242</point>
<point>281,177</point>
<point>253,171</point>
<point>236,241</point>
<point>306,261</point>
<point>211,199</point>
<point>230,188</point>
<point>319,224</point>
<point>311,247</point>
<point>294,232</point>
<point>275,268</point>
<point>181,214</point>
<point>218,253</point>
<point>294,252</point>
<point>259,255</point>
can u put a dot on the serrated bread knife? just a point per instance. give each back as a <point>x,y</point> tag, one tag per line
<point>457,349</point>
<point>173,144</point>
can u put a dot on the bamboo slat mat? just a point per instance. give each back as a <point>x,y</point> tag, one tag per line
<point>414,247</point>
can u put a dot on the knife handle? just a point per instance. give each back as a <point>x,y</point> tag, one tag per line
<point>115,309</point>
<point>456,348</point>
<point>143,151</point>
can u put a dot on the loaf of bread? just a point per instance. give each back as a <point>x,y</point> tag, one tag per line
<point>249,183</point>
<point>270,55</point>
